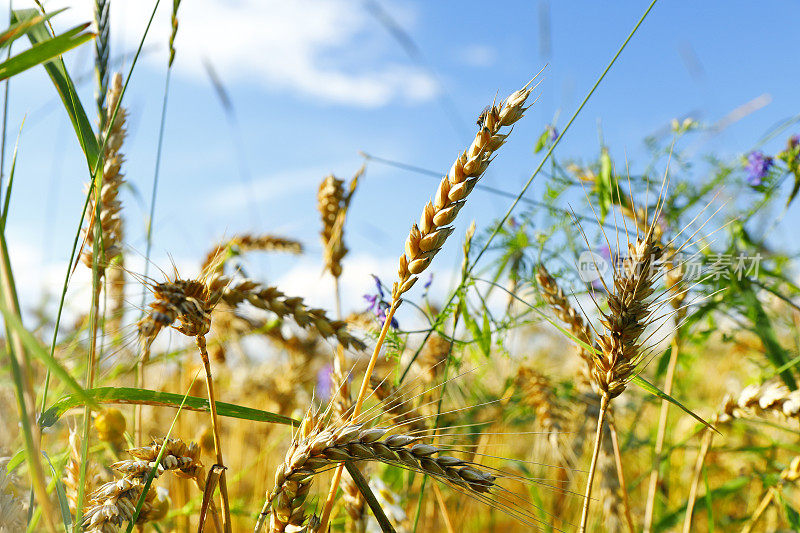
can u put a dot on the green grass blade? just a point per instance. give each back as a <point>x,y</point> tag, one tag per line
<point>652,389</point>
<point>7,199</point>
<point>35,349</point>
<point>66,90</point>
<point>45,51</point>
<point>132,396</point>
<point>61,493</point>
<point>372,501</point>
<point>21,28</point>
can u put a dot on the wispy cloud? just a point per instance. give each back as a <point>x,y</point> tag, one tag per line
<point>478,55</point>
<point>328,50</point>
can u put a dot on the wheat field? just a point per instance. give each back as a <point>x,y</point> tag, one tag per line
<point>617,351</point>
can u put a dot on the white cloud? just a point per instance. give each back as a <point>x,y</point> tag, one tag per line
<point>330,50</point>
<point>478,55</point>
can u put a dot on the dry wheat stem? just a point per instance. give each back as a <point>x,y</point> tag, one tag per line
<point>212,402</point>
<point>660,436</point>
<point>604,402</point>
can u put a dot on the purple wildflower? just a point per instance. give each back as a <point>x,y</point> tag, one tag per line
<point>553,133</point>
<point>381,314</point>
<point>378,306</point>
<point>325,385</point>
<point>378,285</point>
<point>758,166</point>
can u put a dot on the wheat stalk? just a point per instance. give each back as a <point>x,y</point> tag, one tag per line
<point>190,303</point>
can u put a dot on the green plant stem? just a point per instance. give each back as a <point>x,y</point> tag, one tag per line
<point>604,401</point>
<point>23,390</point>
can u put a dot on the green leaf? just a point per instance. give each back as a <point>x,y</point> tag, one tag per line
<point>541,142</point>
<point>485,339</point>
<point>35,349</point>
<point>66,90</point>
<point>44,51</point>
<point>792,516</point>
<point>127,395</point>
<point>61,493</point>
<point>20,29</point>
<point>652,389</point>
<point>374,505</point>
<point>762,326</point>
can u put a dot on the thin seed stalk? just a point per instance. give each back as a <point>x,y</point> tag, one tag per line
<point>660,436</point>
<point>362,393</point>
<point>212,401</point>
<point>621,476</point>
<point>604,401</point>
<point>337,476</point>
<point>708,438</point>
<point>762,506</point>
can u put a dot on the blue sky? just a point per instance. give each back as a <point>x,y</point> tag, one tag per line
<point>313,82</point>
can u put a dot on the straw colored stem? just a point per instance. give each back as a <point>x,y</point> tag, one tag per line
<point>621,475</point>
<point>362,392</point>
<point>762,506</point>
<point>660,436</point>
<point>212,401</point>
<point>595,454</point>
<point>708,437</point>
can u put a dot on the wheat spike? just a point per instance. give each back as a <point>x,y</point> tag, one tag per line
<point>234,293</point>
<point>112,180</point>
<point>427,238</point>
<point>113,504</point>
<point>332,204</point>
<point>537,393</point>
<point>318,448</point>
<point>629,303</point>
<point>392,403</point>
<point>771,397</point>
<point>240,244</point>
<point>12,509</point>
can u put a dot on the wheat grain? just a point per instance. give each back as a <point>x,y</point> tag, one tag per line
<point>112,179</point>
<point>114,503</point>
<point>317,448</point>
<point>427,238</point>
<point>332,204</point>
<point>240,244</point>
<point>234,293</point>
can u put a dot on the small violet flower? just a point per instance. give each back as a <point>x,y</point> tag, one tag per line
<point>379,306</point>
<point>758,166</point>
